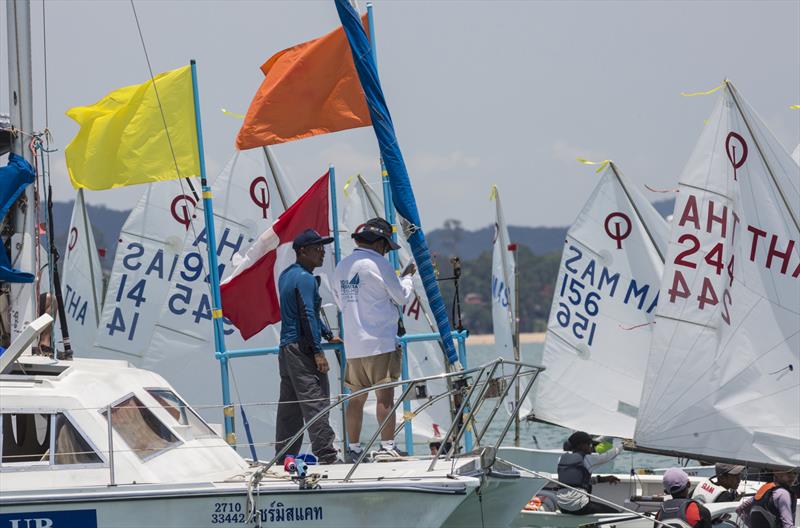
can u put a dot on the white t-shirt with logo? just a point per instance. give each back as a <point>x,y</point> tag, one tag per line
<point>368,292</point>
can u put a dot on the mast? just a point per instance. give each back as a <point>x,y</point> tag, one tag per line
<point>22,297</point>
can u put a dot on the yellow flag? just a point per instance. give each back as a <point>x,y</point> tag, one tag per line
<point>123,138</point>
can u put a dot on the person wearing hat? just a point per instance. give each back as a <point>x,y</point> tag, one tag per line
<point>575,470</point>
<point>774,504</point>
<point>368,293</point>
<point>721,487</point>
<point>680,510</point>
<point>305,390</point>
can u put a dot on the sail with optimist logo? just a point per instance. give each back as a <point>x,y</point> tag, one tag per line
<point>723,377</point>
<point>603,309</point>
<point>82,282</point>
<point>148,251</point>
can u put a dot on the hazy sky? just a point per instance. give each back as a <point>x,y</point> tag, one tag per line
<point>480,92</point>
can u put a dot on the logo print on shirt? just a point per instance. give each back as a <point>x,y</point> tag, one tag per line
<point>350,288</point>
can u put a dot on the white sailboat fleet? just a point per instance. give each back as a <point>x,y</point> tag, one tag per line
<point>686,341</point>
<point>133,441</point>
<point>707,367</point>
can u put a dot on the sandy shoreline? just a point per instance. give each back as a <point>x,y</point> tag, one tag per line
<point>488,339</point>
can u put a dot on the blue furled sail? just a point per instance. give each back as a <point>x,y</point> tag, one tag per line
<point>402,194</point>
<point>14,177</point>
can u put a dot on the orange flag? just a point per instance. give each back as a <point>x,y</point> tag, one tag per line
<point>308,89</point>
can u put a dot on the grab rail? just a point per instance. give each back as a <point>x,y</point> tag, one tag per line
<point>463,420</point>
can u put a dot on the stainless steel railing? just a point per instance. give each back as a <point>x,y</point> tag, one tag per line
<point>465,384</point>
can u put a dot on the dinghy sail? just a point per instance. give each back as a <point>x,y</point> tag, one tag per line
<point>82,281</point>
<point>504,298</point>
<point>504,312</point>
<point>723,377</point>
<point>602,314</point>
<point>148,250</point>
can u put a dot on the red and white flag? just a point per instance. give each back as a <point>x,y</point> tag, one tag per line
<point>250,294</point>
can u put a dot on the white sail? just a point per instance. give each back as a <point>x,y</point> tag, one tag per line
<point>504,311</point>
<point>148,252</point>
<point>723,378</point>
<point>503,285</point>
<point>600,323</point>
<point>361,203</point>
<point>82,282</point>
<point>796,154</point>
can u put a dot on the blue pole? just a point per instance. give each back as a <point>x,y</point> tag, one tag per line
<point>216,305</point>
<point>461,338</point>
<point>389,213</point>
<point>407,427</point>
<point>337,257</point>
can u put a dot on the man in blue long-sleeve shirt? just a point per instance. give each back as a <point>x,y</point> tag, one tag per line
<point>305,390</point>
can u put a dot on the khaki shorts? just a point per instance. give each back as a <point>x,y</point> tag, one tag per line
<point>361,373</point>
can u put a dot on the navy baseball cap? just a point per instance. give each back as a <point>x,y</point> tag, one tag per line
<point>375,229</point>
<point>309,237</point>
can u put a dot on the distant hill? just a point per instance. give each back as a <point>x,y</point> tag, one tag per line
<point>106,224</point>
<point>444,242</point>
<point>468,245</point>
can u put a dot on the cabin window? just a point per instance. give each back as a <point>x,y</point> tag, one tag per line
<point>182,413</point>
<point>28,438</point>
<point>145,434</point>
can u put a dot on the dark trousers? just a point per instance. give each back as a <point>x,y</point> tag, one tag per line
<point>301,381</point>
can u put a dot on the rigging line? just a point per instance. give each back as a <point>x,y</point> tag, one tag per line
<point>158,100</point>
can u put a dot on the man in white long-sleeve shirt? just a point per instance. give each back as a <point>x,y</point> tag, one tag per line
<point>369,292</point>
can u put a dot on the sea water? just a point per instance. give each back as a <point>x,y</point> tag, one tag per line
<point>545,436</point>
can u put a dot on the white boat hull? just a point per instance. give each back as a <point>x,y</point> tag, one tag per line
<point>342,505</point>
<point>496,502</point>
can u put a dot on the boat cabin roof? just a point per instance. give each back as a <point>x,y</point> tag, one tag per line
<point>55,428</point>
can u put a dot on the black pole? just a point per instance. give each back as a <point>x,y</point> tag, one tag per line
<point>62,316</point>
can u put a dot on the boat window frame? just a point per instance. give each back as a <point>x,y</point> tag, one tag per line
<point>128,396</point>
<point>211,433</point>
<point>51,465</point>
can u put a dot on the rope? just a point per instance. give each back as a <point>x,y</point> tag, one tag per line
<point>155,89</point>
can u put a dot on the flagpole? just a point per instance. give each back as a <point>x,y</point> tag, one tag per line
<point>390,214</point>
<point>337,256</point>
<point>213,272</point>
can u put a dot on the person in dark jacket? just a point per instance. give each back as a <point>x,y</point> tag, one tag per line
<point>305,390</point>
<point>575,470</point>
<point>680,510</point>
